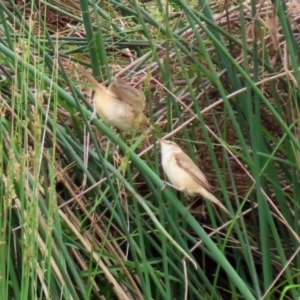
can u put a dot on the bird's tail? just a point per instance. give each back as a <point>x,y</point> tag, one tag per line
<point>95,84</point>
<point>213,199</point>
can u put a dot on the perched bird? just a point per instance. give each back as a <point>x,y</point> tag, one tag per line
<point>121,105</point>
<point>184,174</point>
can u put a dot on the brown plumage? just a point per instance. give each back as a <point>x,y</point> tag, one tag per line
<point>120,105</point>
<point>127,93</point>
<point>184,174</point>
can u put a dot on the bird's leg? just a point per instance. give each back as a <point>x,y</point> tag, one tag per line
<point>149,133</point>
<point>94,114</point>
<point>147,139</point>
<point>164,186</point>
<point>171,185</point>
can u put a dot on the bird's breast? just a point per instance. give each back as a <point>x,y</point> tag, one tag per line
<point>113,111</point>
<point>178,176</point>
<point>174,173</point>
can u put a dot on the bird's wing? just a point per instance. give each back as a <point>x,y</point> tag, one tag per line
<point>128,94</point>
<point>185,163</point>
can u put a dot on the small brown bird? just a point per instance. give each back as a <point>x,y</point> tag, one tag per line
<point>184,174</point>
<point>120,105</point>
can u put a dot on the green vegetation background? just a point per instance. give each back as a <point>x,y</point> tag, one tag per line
<point>83,212</point>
